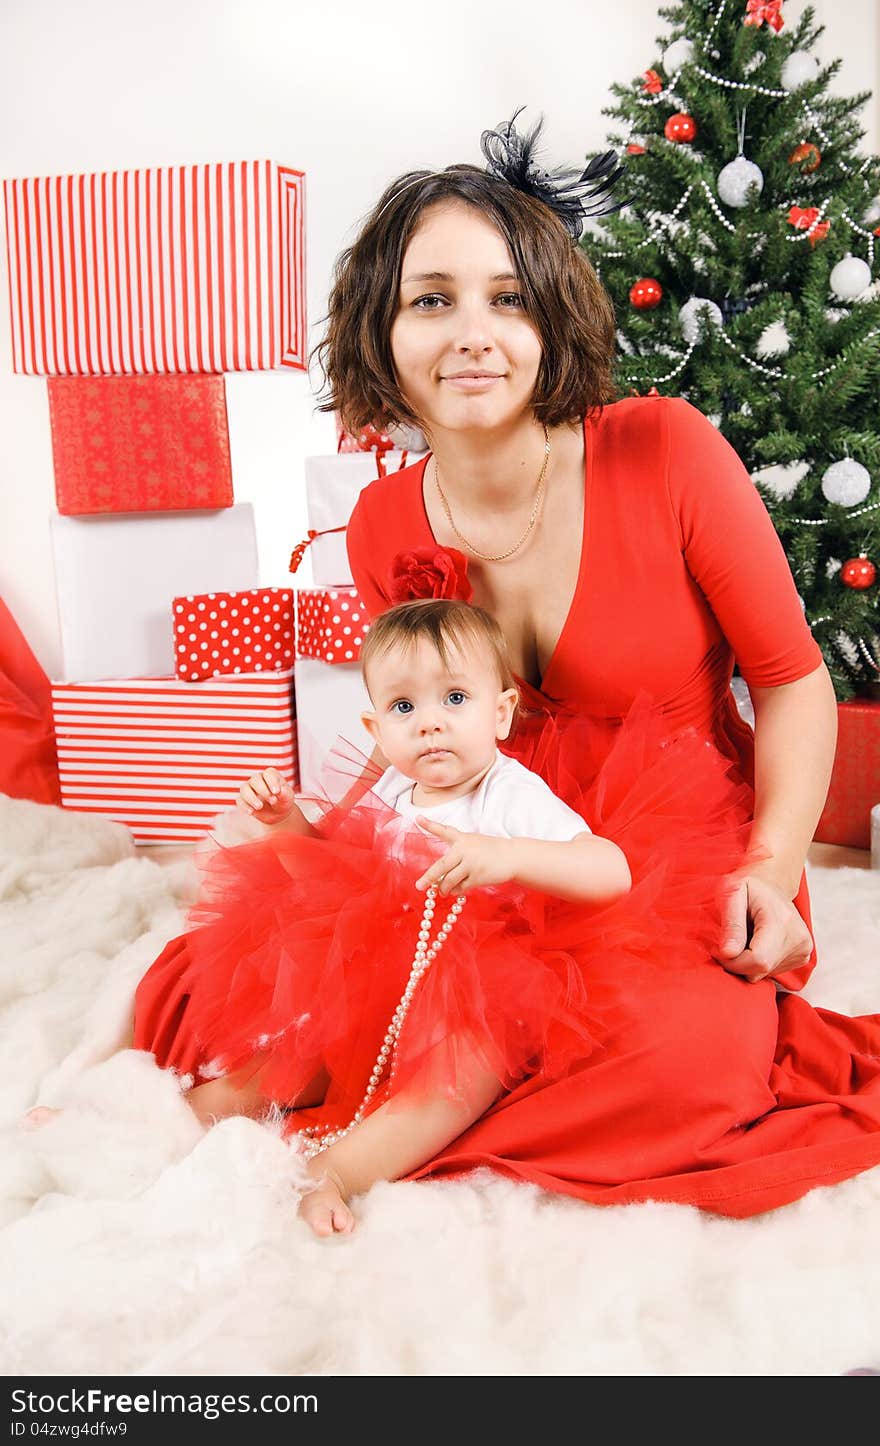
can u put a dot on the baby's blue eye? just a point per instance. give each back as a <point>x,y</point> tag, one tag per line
<point>402,705</point>
<point>456,697</point>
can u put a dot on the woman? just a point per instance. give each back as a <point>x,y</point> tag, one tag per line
<point>621,546</point>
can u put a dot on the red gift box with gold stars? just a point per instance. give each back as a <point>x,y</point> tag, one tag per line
<point>139,444</point>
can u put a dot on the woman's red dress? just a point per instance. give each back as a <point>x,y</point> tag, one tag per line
<point>709,1090</point>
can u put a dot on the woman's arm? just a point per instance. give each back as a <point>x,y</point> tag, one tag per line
<point>763,934</point>
<point>795,740</point>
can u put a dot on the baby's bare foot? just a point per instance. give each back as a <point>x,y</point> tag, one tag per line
<point>39,1116</point>
<point>326,1211</point>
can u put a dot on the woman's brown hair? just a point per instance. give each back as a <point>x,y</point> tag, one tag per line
<point>562,294</point>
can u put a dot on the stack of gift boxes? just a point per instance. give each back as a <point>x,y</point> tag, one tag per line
<point>133,292</point>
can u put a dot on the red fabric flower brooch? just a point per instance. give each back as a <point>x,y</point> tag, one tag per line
<point>427,572</point>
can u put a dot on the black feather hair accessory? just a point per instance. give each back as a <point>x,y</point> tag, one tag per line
<point>573,195</point>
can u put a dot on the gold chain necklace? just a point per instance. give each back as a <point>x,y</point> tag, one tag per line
<point>533,517</point>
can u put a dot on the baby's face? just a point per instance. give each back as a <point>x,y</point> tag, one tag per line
<point>438,724</point>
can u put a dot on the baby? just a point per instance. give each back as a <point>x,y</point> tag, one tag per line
<point>443,697</point>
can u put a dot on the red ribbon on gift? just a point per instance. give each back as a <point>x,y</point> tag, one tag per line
<point>299,551</point>
<point>806,218</point>
<point>757,11</point>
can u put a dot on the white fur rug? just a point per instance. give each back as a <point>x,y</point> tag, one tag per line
<point>134,1242</point>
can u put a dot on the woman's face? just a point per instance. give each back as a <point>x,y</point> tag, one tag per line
<point>470,320</point>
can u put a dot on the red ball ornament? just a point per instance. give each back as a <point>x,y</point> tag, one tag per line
<point>646,293</point>
<point>681,128</point>
<point>807,156</point>
<point>858,573</point>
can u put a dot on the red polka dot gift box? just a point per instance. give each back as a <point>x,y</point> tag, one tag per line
<point>216,633</point>
<point>332,623</point>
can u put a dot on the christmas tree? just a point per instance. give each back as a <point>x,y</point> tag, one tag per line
<point>741,272</point>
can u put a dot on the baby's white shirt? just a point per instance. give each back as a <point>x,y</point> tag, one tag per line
<point>509,802</point>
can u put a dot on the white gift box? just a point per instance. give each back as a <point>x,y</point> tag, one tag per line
<point>333,485</point>
<point>117,574</point>
<point>330,698</point>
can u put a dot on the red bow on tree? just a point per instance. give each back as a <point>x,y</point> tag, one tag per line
<point>652,82</point>
<point>803,218</point>
<point>757,11</point>
<point>426,572</point>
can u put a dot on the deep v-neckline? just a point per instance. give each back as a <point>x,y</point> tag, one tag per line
<point>586,534</point>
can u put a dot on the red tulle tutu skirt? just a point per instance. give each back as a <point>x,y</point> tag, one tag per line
<point>299,949</point>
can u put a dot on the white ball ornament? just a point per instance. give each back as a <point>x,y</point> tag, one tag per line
<point>799,69</point>
<point>783,479</point>
<point>847,483</point>
<point>693,312</point>
<point>774,340</point>
<point>850,278</point>
<point>736,180</point>
<point>679,53</point>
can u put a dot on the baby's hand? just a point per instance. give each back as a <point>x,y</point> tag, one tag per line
<point>470,860</point>
<point>267,796</point>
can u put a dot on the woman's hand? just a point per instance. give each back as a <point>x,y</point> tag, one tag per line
<point>267,796</point>
<point>470,860</point>
<point>762,933</point>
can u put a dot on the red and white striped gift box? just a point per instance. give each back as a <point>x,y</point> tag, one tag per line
<point>331,624</point>
<point>165,757</point>
<point>170,269</point>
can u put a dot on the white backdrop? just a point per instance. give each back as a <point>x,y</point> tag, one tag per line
<point>352,94</point>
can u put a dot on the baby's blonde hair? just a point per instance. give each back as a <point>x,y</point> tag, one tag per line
<point>444,623</point>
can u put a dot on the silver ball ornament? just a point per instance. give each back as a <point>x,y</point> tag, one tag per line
<point>692,313</point>
<point>846,482</point>
<point>736,180</point>
<point>412,438</point>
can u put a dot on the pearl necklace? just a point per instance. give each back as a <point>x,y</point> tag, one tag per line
<point>426,952</point>
<point>533,516</point>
